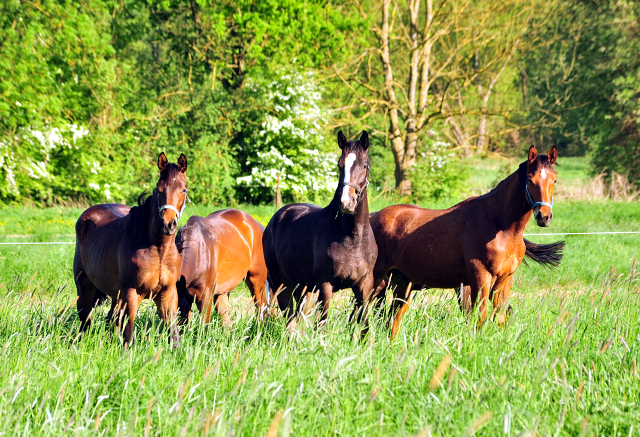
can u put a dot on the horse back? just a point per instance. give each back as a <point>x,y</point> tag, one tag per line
<point>219,249</point>
<point>97,216</point>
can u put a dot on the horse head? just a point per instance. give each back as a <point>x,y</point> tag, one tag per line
<point>171,192</point>
<point>354,171</point>
<point>541,183</point>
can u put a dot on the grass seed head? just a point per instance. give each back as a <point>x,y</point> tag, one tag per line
<point>439,373</point>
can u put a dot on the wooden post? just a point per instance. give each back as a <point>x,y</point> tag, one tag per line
<point>278,197</point>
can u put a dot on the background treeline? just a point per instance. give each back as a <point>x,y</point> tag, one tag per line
<point>255,90</point>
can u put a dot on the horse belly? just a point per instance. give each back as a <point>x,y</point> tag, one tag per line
<point>433,267</point>
<point>100,263</point>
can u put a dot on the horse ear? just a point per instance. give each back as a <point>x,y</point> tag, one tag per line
<point>342,140</point>
<point>553,155</point>
<point>163,162</point>
<point>364,140</point>
<point>533,154</point>
<point>182,163</point>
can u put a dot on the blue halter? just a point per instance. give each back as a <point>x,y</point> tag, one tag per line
<point>536,204</point>
<point>522,176</point>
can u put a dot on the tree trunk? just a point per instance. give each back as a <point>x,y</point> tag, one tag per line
<point>482,132</point>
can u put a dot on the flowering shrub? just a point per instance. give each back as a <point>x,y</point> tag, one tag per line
<point>288,143</point>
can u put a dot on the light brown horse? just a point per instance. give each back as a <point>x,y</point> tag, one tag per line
<point>477,243</point>
<point>129,254</point>
<point>218,252</point>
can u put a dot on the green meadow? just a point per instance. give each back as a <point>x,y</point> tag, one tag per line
<point>565,364</point>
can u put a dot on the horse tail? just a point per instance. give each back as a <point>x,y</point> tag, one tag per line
<point>549,255</point>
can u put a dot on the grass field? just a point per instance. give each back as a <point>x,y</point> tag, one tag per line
<point>566,363</point>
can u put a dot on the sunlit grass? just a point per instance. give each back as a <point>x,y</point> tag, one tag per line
<point>566,361</point>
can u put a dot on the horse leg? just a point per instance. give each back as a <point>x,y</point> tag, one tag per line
<point>86,299</point>
<point>501,290</point>
<point>128,305</point>
<point>309,303</point>
<point>222,307</point>
<point>204,302</point>
<point>167,305</point>
<point>256,281</point>
<point>464,298</point>
<point>480,281</point>
<point>363,293</point>
<point>110,319</point>
<point>185,300</point>
<point>325,293</point>
<point>400,303</point>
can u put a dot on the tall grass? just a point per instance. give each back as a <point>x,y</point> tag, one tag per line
<point>566,364</point>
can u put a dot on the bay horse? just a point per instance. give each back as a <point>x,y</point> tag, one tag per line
<point>477,243</point>
<point>129,254</point>
<point>312,252</point>
<point>218,252</point>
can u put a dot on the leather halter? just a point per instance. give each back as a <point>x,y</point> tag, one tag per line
<point>358,189</point>
<point>171,207</point>
<point>522,175</point>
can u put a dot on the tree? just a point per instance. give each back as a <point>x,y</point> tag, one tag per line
<point>583,83</point>
<point>422,49</point>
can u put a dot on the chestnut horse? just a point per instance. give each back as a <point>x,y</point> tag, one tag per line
<point>130,254</point>
<point>478,242</point>
<point>218,252</point>
<point>312,252</point>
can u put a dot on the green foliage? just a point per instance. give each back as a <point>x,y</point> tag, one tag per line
<point>584,79</point>
<point>438,173</point>
<point>288,144</point>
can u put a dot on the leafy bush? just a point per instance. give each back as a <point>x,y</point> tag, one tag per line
<point>288,143</point>
<point>438,174</point>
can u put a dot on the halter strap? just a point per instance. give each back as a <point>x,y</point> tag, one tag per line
<point>522,176</point>
<point>536,204</point>
<point>357,188</point>
<point>171,207</point>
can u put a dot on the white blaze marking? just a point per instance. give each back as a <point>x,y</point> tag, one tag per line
<point>543,173</point>
<point>348,162</point>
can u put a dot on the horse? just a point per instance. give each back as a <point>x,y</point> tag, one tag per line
<point>129,254</point>
<point>218,252</point>
<point>312,252</point>
<point>477,243</point>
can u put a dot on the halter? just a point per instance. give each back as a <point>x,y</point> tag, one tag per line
<point>522,175</point>
<point>358,189</point>
<point>536,204</point>
<point>171,207</point>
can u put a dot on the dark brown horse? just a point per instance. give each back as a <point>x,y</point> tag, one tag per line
<point>312,252</point>
<point>130,254</point>
<point>218,252</point>
<point>476,243</point>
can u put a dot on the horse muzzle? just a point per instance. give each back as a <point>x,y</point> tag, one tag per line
<point>170,227</point>
<point>543,220</point>
<point>348,205</point>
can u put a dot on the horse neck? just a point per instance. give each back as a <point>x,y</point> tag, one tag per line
<point>355,224</point>
<point>512,206</point>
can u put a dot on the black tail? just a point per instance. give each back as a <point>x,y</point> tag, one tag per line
<point>549,255</point>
